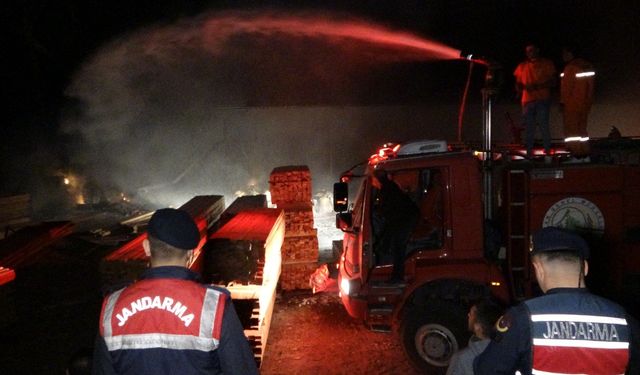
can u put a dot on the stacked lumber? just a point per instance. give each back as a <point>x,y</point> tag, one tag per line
<point>126,263</point>
<point>244,257</point>
<point>29,244</point>
<point>243,203</point>
<point>290,184</point>
<point>8,313</point>
<point>6,275</point>
<point>300,248</point>
<point>290,189</point>
<point>15,213</point>
<point>299,219</point>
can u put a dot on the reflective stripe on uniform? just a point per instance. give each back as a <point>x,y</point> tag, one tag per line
<point>581,75</point>
<point>585,74</point>
<point>538,372</point>
<point>108,312</point>
<point>209,309</point>
<point>160,340</point>
<point>581,343</point>
<point>576,139</point>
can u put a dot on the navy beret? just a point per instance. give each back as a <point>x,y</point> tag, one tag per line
<point>558,239</point>
<point>174,227</point>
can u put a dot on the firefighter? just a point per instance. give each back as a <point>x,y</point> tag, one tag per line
<point>567,330</point>
<point>534,79</point>
<point>167,322</point>
<point>576,98</point>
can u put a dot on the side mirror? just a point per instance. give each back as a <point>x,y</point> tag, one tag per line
<point>344,221</point>
<point>340,197</point>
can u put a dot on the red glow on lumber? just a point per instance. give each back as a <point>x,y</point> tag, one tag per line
<point>6,275</point>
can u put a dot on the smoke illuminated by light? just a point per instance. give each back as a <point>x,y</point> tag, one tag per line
<point>168,112</point>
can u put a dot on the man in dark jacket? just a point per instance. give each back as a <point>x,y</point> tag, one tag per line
<point>167,322</point>
<point>399,218</point>
<point>567,330</point>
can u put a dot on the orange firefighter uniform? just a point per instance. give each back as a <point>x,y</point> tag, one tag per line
<point>576,96</point>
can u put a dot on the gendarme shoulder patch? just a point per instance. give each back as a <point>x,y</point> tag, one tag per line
<point>503,324</point>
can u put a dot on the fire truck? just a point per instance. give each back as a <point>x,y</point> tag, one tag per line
<point>478,210</point>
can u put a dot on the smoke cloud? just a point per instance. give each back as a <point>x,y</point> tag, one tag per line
<point>210,105</point>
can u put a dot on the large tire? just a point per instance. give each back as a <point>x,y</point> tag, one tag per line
<point>432,333</point>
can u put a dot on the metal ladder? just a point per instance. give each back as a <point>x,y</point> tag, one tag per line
<point>518,262</point>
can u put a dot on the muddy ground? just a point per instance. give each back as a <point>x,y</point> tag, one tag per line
<point>313,334</point>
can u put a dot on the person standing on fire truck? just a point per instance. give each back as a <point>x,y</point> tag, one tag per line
<point>576,98</point>
<point>167,322</point>
<point>534,79</point>
<point>567,330</point>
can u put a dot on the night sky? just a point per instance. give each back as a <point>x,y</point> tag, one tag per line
<point>49,44</point>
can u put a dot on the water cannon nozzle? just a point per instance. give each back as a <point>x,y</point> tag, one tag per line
<point>475,58</point>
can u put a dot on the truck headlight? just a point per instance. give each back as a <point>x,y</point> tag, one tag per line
<point>345,286</point>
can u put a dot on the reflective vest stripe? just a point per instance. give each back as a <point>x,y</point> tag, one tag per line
<point>581,343</point>
<point>585,74</point>
<point>208,332</point>
<point>210,308</point>
<point>217,327</point>
<point>581,75</point>
<point>538,372</point>
<point>160,340</point>
<point>576,139</point>
<point>577,318</point>
<point>108,313</point>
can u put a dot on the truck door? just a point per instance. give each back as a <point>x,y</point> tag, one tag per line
<point>356,240</point>
<point>426,189</point>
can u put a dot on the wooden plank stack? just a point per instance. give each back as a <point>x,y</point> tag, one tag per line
<point>244,257</point>
<point>243,203</point>
<point>6,275</point>
<point>126,263</point>
<point>290,189</point>
<point>29,244</point>
<point>15,213</point>
<point>8,313</point>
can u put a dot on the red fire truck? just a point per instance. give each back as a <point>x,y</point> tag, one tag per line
<point>477,213</point>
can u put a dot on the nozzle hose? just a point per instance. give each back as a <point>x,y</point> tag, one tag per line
<point>474,58</point>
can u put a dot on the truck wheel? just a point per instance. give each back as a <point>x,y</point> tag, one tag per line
<point>431,334</point>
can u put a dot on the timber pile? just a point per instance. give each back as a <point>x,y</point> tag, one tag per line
<point>290,189</point>
<point>243,203</point>
<point>8,313</point>
<point>126,263</point>
<point>29,244</point>
<point>244,257</point>
<point>6,275</point>
<point>290,184</point>
<point>15,213</point>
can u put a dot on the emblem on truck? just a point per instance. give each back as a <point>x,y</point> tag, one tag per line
<point>576,214</point>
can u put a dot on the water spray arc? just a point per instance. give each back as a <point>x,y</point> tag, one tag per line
<point>186,85</point>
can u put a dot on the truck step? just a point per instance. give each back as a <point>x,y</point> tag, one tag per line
<point>384,328</point>
<point>379,317</point>
<point>382,287</point>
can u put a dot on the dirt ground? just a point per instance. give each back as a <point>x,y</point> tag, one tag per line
<point>313,334</point>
